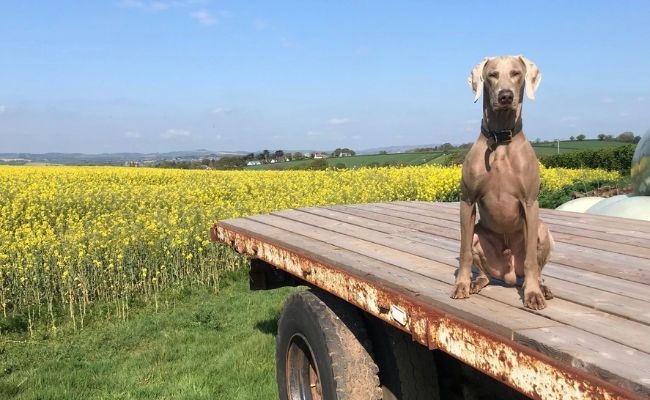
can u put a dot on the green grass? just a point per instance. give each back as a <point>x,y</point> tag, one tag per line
<point>568,146</point>
<point>198,345</point>
<point>437,157</point>
<point>358,161</point>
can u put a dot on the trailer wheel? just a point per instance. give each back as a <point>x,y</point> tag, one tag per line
<point>407,370</point>
<point>323,351</point>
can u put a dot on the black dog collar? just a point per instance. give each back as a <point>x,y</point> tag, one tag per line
<point>496,138</point>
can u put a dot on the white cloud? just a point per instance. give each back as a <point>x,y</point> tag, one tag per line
<point>222,110</point>
<point>132,135</point>
<point>338,121</point>
<point>175,133</point>
<point>204,17</point>
<point>201,15</point>
<point>131,4</point>
<point>159,5</point>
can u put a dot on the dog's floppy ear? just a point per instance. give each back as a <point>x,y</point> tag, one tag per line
<point>475,79</point>
<point>533,77</point>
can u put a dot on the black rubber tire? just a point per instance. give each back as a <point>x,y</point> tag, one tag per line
<point>407,369</point>
<point>322,335</point>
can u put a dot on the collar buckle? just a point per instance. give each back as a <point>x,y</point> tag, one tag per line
<point>501,137</point>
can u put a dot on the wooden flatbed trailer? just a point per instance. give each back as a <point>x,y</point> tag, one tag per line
<point>396,262</point>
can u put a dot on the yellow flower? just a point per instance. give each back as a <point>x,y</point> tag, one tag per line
<point>112,229</point>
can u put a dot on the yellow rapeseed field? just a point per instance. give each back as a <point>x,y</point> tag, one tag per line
<point>70,236</point>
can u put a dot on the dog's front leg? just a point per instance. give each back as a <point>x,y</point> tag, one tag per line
<point>533,296</point>
<point>464,276</point>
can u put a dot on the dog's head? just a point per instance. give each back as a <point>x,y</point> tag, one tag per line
<point>504,79</point>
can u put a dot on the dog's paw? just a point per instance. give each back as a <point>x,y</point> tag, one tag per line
<point>478,284</point>
<point>548,294</point>
<point>534,300</point>
<point>461,291</point>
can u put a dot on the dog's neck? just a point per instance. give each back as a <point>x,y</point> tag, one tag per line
<point>500,126</point>
<point>501,120</point>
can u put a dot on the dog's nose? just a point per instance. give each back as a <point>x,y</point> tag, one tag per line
<point>506,97</point>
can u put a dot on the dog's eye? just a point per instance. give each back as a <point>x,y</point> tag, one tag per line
<point>493,74</point>
<point>514,74</point>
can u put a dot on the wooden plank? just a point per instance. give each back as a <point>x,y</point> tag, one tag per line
<point>398,218</point>
<point>625,266</point>
<point>640,227</point>
<point>611,235</point>
<point>634,226</point>
<point>584,283</point>
<point>636,249</point>
<point>598,299</point>
<point>592,282</point>
<point>578,230</point>
<point>475,308</point>
<point>425,224</point>
<point>622,266</point>
<point>612,362</point>
<point>594,226</point>
<point>413,256</point>
<point>376,224</point>
<point>624,226</point>
<point>487,313</point>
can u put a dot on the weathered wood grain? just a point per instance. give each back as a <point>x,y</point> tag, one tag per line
<point>599,321</point>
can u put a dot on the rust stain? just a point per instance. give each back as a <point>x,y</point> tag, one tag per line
<point>527,371</point>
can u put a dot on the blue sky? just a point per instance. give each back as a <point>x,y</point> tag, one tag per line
<point>153,76</point>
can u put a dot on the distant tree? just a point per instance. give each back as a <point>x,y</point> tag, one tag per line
<point>297,156</point>
<point>345,150</point>
<point>445,146</point>
<point>229,163</point>
<point>581,137</point>
<point>266,154</point>
<point>627,137</point>
<point>383,152</point>
<point>601,136</point>
<point>279,153</point>
<point>572,138</point>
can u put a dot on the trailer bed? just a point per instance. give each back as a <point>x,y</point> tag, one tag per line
<point>397,262</point>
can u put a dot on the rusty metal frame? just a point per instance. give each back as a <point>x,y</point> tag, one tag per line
<point>522,368</point>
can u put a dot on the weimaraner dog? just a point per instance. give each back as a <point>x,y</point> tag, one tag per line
<point>501,176</point>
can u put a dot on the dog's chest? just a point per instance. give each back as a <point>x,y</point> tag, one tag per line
<point>499,173</point>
